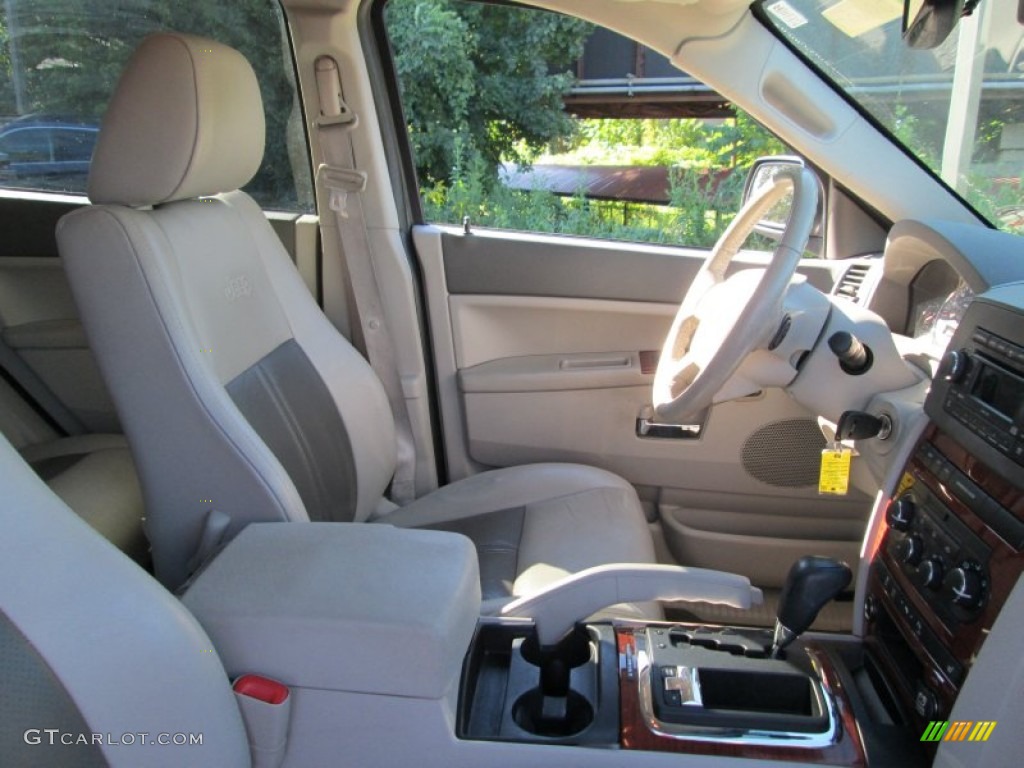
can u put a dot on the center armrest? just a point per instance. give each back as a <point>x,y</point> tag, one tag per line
<point>348,607</point>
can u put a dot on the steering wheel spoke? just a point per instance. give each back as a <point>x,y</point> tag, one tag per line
<point>684,373</point>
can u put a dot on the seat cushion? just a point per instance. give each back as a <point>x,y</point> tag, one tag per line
<point>95,476</point>
<point>533,525</point>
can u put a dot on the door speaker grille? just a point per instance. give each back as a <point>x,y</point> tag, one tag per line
<point>785,453</point>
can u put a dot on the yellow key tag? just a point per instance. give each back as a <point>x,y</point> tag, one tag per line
<point>835,471</point>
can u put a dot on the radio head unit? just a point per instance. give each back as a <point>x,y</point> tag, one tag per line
<point>979,391</point>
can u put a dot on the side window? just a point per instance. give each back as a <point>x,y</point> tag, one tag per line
<point>26,146</point>
<point>524,119</point>
<point>62,60</point>
<point>73,145</point>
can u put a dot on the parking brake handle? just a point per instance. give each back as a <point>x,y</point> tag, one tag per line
<point>556,609</point>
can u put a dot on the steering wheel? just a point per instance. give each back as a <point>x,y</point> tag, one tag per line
<point>721,321</point>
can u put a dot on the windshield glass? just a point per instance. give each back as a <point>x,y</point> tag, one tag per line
<point>959,107</point>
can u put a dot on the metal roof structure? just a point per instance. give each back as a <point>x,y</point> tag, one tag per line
<point>633,184</point>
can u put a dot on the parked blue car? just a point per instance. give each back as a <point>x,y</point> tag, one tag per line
<point>39,146</point>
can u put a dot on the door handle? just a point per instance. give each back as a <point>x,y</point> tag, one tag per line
<point>649,428</point>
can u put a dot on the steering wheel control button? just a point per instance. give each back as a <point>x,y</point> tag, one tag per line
<point>780,335</point>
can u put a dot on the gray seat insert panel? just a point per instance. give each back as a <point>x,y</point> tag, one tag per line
<point>290,407</point>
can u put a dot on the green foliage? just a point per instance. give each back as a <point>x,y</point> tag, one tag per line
<point>685,142</point>
<point>702,208</point>
<point>707,160</point>
<point>71,53</point>
<point>6,80</point>
<point>697,214</point>
<point>481,82</point>
<point>433,57</point>
<point>915,131</point>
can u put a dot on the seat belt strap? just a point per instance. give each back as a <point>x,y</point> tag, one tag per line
<point>345,184</point>
<point>27,384</point>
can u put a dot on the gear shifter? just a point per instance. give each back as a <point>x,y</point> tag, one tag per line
<point>811,582</point>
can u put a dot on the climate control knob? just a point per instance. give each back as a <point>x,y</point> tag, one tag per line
<point>910,549</point>
<point>965,588</point>
<point>900,513</point>
<point>930,573</point>
<point>954,365</point>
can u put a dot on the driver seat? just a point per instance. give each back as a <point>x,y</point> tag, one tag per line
<point>235,391</point>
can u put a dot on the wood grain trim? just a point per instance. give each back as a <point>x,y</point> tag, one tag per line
<point>1004,567</point>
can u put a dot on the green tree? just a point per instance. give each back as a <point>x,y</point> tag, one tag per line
<point>481,81</point>
<point>7,100</point>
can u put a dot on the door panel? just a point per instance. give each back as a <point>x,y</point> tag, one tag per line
<point>534,366</point>
<point>525,264</point>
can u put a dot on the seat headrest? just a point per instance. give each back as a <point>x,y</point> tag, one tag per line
<point>186,120</point>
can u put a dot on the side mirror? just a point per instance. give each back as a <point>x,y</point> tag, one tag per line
<point>926,23</point>
<point>773,225</point>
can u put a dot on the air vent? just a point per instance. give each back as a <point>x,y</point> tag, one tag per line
<point>849,287</point>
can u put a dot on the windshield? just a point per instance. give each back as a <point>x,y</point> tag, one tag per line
<point>959,107</point>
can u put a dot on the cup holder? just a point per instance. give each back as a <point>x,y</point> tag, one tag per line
<point>528,714</point>
<point>574,651</point>
<point>551,709</point>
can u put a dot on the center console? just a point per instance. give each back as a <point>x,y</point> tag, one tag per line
<point>951,552</point>
<point>939,570</point>
<point>663,687</point>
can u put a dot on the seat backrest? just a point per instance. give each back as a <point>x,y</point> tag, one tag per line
<point>235,391</point>
<point>94,653</point>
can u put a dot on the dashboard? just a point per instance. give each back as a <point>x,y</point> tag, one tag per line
<point>951,551</point>
<point>932,269</point>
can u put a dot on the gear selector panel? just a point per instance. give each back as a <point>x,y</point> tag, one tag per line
<point>723,679</point>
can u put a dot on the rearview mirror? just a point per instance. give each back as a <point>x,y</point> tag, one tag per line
<point>926,23</point>
<point>773,225</point>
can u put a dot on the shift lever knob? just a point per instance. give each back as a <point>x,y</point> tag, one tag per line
<point>811,582</point>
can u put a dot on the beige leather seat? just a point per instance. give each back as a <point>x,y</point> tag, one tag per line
<point>235,391</point>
